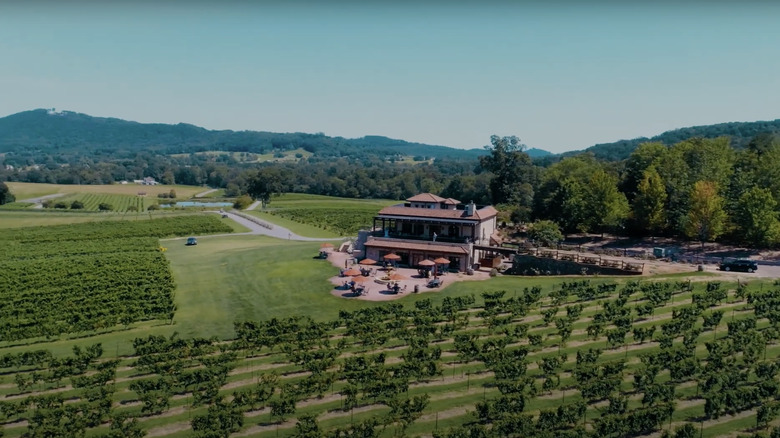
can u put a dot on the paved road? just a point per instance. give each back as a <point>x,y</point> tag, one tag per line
<point>256,229</point>
<point>39,200</point>
<point>206,193</point>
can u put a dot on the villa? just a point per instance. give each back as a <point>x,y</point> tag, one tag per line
<point>427,226</point>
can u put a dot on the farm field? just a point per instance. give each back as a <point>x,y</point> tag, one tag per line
<point>94,201</point>
<point>87,278</point>
<point>29,218</point>
<point>322,216</point>
<point>34,190</point>
<point>250,157</point>
<point>620,359</point>
<point>257,346</point>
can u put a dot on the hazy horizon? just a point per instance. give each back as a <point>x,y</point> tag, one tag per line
<point>559,75</point>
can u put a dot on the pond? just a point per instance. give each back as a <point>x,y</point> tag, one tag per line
<point>199,204</point>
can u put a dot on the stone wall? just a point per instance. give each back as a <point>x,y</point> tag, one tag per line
<point>531,265</point>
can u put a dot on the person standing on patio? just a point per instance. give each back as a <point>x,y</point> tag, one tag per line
<point>434,236</point>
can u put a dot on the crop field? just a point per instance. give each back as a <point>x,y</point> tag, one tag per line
<point>94,201</point>
<point>34,190</point>
<point>573,358</point>
<point>333,216</point>
<point>83,278</point>
<point>250,157</point>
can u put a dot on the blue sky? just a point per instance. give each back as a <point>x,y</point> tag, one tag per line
<point>559,75</point>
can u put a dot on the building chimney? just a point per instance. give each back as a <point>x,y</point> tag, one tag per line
<point>470,208</point>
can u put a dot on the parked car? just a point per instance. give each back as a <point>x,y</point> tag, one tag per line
<point>192,241</point>
<point>739,265</point>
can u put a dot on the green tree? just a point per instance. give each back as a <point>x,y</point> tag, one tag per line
<point>757,217</point>
<point>512,169</point>
<point>5,194</point>
<point>267,182</point>
<point>606,205</point>
<point>650,202</point>
<point>706,219</point>
<point>641,159</point>
<point>545,232</point>
<point>242,202</point>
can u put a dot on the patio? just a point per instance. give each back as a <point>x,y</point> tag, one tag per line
<point>386,284</point>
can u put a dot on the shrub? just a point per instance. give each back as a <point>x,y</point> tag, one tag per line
<point>132,208</point>
<point>76,205</point>
<point>153,207</point>
<point>242,202</point>
<point>105,207</point>
<point>493,272</point>
<point>60,205</point>
<point>546,233</point>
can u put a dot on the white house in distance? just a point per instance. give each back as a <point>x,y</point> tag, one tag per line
<point>147,181</point>
<point>427,226</point>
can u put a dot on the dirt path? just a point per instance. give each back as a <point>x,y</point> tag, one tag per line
<point>206,193</point>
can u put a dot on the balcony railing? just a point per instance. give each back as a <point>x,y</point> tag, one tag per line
<point>406,236</point>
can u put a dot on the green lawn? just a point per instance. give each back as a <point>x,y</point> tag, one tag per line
<point>224,279</point>
<point>33,190</point>
<point>299,200</point>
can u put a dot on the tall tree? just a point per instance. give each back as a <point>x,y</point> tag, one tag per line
<point>511,168</point>
<point>644,156</point>
<point>267,182</point>
<point>5,194</point>
<point>607,207</point>
<point>706,219</point>
<point>757,217</point>
<point>650,202</point>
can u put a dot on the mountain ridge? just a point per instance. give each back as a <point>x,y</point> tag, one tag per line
<point>70,132</point>
<point>45,130</point>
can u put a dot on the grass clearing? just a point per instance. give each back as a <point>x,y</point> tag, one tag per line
<point>34,190</point>
<point>321,216</point>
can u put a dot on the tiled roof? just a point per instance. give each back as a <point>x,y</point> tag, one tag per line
<point>435,213</point>
<point>416,246</point>
<point>451,201</point>
<point>426,197</point>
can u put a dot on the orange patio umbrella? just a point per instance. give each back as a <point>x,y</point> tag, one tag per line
<point>392,256</point>
<point>427,262</point>
<point>368,262</point>
<point>352,272</point>
<point>361,279</point>
<point>442,261</point>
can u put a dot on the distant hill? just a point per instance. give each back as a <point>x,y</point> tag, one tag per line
<point>741,134</point>
<point>47,132</point>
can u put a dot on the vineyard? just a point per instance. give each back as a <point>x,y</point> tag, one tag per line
<point>87,277</point>
<point>104,202</point>
<point>580,358</point>
<point>344,222</point>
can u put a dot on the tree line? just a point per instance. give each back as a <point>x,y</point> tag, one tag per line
<point>702,189</point>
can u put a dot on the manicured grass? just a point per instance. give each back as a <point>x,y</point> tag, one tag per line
<point>118,203</point>
<point>237,278</point>
<point>34,190</point>
<point>299,200</point>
